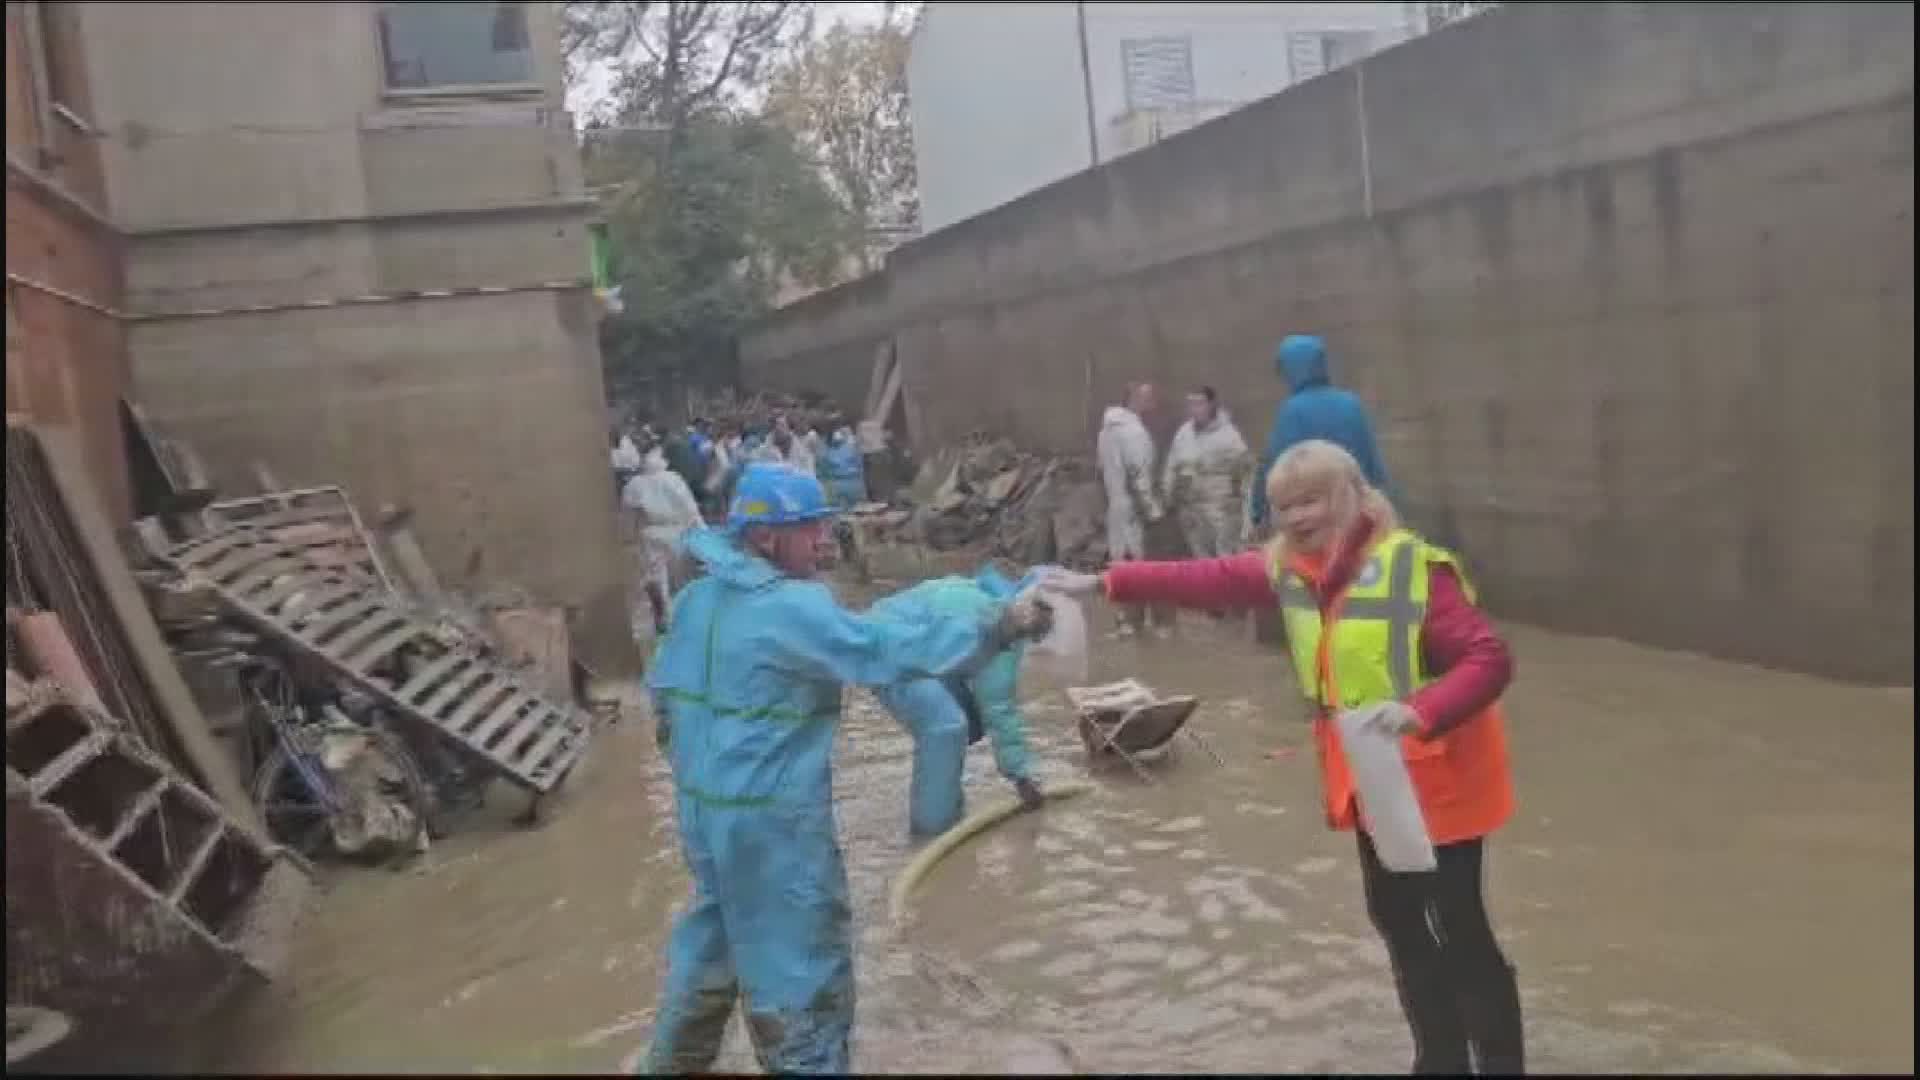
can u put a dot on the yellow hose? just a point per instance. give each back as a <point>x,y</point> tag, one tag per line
<point>950,840</point>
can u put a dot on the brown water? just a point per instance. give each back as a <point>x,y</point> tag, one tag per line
<point>1712,869</point>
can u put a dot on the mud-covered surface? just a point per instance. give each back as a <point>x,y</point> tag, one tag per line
<point>1712,869</point>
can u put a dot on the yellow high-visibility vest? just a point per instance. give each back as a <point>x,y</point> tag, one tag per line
<point>1375,651</point>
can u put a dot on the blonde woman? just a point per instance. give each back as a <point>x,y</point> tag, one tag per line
<point>1375,614</point>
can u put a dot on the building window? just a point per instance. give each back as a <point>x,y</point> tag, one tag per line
<point>1157,71</point>
<point>455,45</point>
<point>1342,47</point>
<point>1317,53</point>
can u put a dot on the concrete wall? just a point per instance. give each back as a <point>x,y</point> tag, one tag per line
<point>1629,287</point>
<point>66,348</point>
<point>257,160</point>
<point>980,142</point>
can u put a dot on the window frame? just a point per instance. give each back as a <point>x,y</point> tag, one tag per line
<point>531,87</point>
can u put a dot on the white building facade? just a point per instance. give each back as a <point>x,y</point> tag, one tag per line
<point>1009,97</point>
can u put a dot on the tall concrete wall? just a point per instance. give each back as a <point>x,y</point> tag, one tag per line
<point>259,165</point>
<point>1629,287</point>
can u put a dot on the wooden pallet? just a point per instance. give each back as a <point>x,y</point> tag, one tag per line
<point>474,704</point>
<point>320,522</point>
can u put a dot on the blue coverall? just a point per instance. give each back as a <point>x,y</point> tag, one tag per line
<point>748,683</point>
<point>843,473</point>
<point>929,710</point>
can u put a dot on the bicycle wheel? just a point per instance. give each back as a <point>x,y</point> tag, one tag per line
<point>272,703</point>
<point>296,818</point>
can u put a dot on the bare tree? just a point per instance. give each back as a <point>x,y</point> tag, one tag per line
<point>672,59</point>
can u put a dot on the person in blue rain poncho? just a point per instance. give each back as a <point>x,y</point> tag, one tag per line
<point>1315,409</point>
<point>843,471</point>
<point>746,686</point>
<point>945,716</point>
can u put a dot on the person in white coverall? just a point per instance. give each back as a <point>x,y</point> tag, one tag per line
<point>665,508</point>
<point>1126,456</point>
<point>1206,479</point>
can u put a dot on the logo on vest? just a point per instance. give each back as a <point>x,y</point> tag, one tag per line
<point>1369,575</point>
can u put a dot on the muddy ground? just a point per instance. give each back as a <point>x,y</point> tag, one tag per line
<point>1712,869</point>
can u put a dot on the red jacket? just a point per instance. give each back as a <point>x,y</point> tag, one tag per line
<point>1457,642</point>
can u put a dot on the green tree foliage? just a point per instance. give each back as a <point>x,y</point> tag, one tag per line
<point>709,208</point>
<point>844,94</point>
<point>704,236</point>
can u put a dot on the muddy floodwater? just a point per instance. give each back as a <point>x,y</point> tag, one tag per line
<point>1711,869</point>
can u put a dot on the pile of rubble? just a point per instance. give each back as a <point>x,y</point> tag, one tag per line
<point>988,498</point>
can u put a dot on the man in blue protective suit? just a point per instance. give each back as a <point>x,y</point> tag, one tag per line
<point>843,471</point>
<point>945,716</point>
<point>1315,409</point>
<point>747,685</point>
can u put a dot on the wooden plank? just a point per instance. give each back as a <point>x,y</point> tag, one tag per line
<point>458,686</point>
<point>552,754</point>
<point>508,712</point>
<point>347,644</point>
<point>235,559</point>
<point>428,675</point>
<point>482,706</point>
<point>198,549</point>
<point>379,647</point>
<point>265,572</point>
<point>530,760</point>
<point>322,593</point>
<point>333,622</point>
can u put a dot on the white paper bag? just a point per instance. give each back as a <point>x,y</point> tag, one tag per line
<point>1389,807</point>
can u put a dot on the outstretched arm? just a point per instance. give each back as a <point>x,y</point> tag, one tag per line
<point>818,638</point>
<point>1235,581</point>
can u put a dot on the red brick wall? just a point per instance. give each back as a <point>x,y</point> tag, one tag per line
<point>66,361</point>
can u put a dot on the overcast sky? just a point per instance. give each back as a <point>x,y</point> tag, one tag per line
<point>586,96</point>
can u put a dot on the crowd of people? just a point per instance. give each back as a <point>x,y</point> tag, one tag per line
<point>671,482</point>
<point>1381,627</point>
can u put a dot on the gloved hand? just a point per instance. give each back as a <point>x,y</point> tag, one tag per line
<point>1392,720</point>
<point>1030,794</point>
<point>1061,580</point>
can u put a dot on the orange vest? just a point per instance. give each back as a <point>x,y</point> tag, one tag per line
<point>1462,778</point>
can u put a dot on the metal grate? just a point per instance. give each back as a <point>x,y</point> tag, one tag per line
<point>365,635</point>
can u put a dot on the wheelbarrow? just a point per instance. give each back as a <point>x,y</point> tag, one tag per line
<point>1128,720</point>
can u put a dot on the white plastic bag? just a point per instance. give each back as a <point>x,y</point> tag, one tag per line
<point>1061,655</point>
<point>1388,803</point>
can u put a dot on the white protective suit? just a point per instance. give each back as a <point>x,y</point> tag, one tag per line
<point>666,509</point>
<point>1126,471</point>
<point>797,454</point>
<point>1206,479</point>
<point>625,456</point>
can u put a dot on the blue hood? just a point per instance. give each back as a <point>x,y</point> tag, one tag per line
<point>1302,360</point>
<point>726,563</point>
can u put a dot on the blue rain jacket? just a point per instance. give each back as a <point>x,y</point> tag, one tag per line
<point>1316,409</point>
<point>747,684</point>
<point>844,473</point>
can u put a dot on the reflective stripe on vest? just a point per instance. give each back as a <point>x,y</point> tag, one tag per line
<point>1387,598</point>
<point>1385,604</point>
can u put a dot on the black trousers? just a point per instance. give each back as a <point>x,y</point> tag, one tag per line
<point>1456,987</point>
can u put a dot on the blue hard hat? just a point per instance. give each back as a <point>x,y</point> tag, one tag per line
<point>773,494</point>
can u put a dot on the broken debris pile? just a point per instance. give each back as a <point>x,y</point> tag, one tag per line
<point>990,495</point>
